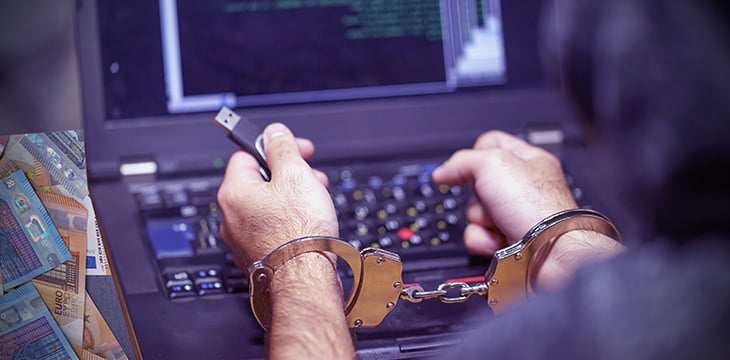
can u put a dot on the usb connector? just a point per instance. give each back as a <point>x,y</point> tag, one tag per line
<point>227,119</point>
<point>247,135</point>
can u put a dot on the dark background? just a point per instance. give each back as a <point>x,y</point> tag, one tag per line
<point>39,84</point>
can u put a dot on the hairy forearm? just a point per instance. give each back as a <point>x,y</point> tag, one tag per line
<point>307,311</point>
<point>571,251</point>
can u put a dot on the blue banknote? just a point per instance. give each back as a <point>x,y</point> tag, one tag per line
<point>29,241</point>
<point>27,329</point>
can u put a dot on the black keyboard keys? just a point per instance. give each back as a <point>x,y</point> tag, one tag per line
<point>401,209</point>
<point>179,284</point>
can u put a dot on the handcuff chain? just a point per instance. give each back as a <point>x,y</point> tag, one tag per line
<point>416,293</point>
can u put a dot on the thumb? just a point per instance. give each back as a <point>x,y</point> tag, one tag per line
<point>282,150</point>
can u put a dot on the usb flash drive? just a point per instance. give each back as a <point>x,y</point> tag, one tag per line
<point>247,135</point>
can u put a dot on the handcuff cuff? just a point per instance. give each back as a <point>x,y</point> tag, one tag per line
<point>377,280</point>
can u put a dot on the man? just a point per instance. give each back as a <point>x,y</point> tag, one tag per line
<point>652,76</point>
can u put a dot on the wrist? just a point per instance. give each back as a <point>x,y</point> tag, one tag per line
<point>303,272</point>
<point>307,310</point>
<point>265,243</point>
<point>306,286</point>
<point>570,251</point>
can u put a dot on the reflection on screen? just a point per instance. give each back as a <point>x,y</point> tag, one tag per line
<point>260,52</point>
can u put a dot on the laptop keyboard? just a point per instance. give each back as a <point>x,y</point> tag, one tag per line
<point>393,206</point>
<point>401,211</point>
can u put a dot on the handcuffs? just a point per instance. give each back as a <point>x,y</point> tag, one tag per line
<point>378,285</point>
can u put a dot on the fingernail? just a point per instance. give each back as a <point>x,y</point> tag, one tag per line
<point>275,129</point>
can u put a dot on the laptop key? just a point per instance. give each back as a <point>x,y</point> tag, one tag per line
<point>149,200</point>
<point>426,191</point>
<point>202,194</point>
<point>386,241</point>
<point>421,222</point>
<point>399,193</point>
<point>450,204</point>
<point>208,281</point>
<point>175,197</point>
<point>177,276</point>
<point>209,273</point>
<point>375,182</point>
<point>361,212</point>
<point>210,286</point>
<point>180,289</point>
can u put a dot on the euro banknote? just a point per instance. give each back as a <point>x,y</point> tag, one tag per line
<point>27,329</point>
<point>55,162</point>
<point>88,355</point>
<point>64,288</point>
<point>3,142</point>
<point>98,337</point>
<point>30,244</point>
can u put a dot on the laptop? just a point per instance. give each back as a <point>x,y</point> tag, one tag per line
<point>386,90</point>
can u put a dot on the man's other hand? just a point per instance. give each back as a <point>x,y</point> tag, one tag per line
<point>516,185</point>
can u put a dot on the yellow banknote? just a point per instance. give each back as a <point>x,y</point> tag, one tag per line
<point>63,289</point>
<point>98,337</point>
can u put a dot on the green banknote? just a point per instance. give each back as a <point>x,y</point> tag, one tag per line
<point>30,244</point>
<point>27,330</point>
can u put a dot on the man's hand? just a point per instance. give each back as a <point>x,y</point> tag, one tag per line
<point>308,319</point>
<point>517,185</point>
<point>259,215</point>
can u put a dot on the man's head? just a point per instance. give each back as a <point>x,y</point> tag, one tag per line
<point>652,77</point>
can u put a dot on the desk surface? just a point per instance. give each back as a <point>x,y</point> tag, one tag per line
<point>104,293</point>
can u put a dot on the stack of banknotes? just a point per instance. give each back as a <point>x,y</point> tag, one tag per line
<point>49,244</point>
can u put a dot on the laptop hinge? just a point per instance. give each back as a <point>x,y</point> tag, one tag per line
<point>132,168</point>
<point>545,136</point>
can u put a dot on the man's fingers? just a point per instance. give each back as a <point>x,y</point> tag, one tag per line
<point>481,241</point>
<point>496,139</point>
<point>282,149</point>
<point>322,177</point>
<point>476,214</point>
<point>242,167</point>
<point>306,148</point>
<point>460,169</point>
<point>241,173</point>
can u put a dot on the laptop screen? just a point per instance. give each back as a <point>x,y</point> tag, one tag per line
<point>359,78</point>
<point>191,56</point>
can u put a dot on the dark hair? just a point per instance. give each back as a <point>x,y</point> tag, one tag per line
<point>653,76</point>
